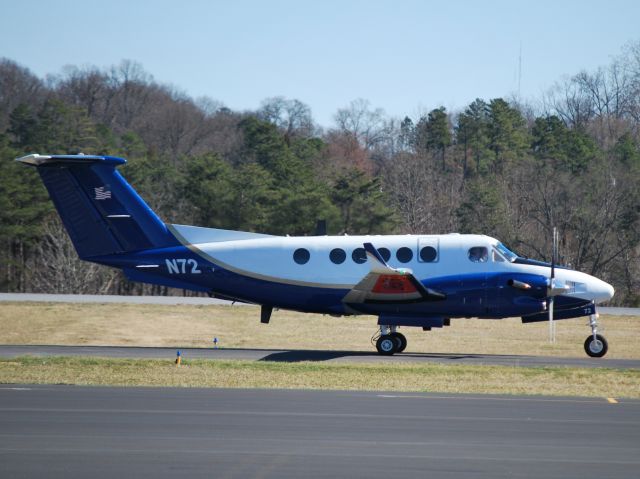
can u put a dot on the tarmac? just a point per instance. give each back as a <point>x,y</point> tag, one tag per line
<point>104,432</point>
<point>297,355</point>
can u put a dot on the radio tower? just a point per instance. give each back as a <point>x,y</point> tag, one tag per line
<point>519,70</point>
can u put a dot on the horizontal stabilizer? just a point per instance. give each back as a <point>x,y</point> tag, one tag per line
<point>50,160</point>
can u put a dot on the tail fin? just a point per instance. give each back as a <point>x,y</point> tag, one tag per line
<point>101,212</point>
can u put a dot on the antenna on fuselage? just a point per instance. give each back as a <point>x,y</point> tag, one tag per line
<point>321,228</point>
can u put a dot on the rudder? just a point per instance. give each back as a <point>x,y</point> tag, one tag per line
<point>102,213</point>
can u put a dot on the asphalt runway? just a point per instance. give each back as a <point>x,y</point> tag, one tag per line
<point>99,432</point>
<point>11,351</point>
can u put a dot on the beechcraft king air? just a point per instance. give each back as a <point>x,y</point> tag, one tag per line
<point>404,280</point>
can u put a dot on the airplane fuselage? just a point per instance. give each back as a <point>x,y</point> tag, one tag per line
<point>314,274</point>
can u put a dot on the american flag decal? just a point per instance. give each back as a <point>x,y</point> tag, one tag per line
<point>102,193</point>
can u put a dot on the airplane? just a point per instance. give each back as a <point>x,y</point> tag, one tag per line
<point>404,280</point>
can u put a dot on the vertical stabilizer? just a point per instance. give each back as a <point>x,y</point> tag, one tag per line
<point>102,213</point>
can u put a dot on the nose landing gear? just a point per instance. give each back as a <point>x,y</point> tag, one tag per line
<point>595,345</point>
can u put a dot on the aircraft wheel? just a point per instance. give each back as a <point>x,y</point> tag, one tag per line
<point>401,341</point>
<point>596,348</point>
<point>386,345</point>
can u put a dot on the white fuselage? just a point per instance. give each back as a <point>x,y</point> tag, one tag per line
<point>272,258</point>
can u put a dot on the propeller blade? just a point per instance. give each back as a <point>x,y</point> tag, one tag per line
<point>551,293</point>
<point>552,335</point>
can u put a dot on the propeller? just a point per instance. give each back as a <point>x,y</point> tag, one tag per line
<point>551,292</point>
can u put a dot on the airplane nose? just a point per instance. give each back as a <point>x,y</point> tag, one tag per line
<point>602,291</point>
<point>609,291</point>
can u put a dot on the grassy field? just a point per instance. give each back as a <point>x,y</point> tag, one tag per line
<point>239,327</point>
<point>426,377</point>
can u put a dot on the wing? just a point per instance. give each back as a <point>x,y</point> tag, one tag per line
<point>384,284</point>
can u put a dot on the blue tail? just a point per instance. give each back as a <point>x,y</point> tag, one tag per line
<point>101,212</point>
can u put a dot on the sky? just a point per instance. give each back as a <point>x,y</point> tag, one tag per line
<point>404,56</point>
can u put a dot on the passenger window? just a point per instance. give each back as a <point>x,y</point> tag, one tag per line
<point>301,256</point>
<point>478,254</point>
<point>385,253</point>
<point>359,255</point>
<point>428,254</point>
<point>337,256</point>
<point>404,254</point>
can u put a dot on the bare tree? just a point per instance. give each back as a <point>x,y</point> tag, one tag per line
<point>83,87</point>
<point>173,123</point>
<point>57,268</point>
<point>570,103</point>
<point>17,85</point>
<point>292,116</point>
<point>425,199</point>
<point>369,127</point>
<point>129,90</point>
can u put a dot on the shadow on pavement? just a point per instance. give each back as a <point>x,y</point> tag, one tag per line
<point>293,356</point>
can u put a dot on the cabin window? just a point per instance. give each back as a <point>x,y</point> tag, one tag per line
<point>478,254</point>
<point>337,256</point>
<point>404,254</point>
<point>385,253</point>
<point>428,249</point>
<point>359,255</point>
<point>301,256</point>
<point>428,254</point>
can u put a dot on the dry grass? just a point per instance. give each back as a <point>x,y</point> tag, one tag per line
<point>239,327</point>
<point>389,377</point>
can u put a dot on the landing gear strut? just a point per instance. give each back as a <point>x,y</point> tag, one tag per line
<point>595,345</point>
<point>390,341</point>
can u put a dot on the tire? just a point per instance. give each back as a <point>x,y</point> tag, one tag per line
<point>401,340</point>
<point>386,345</point>
<point>596,349</point>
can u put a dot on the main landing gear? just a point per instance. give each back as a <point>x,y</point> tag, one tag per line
<point>595,345</point>
<point>389,341</point>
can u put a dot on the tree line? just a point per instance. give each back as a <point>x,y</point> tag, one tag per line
<point>499,167</point>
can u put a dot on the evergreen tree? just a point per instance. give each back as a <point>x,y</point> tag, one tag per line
<point>561,148</point>
<point>363,205</point>
<point>207,185</point>
<point>437,134</point>
<point>24,204</point>
<point>627,151</point>
<point>473,129</point>
<point>508,136</point>
<point>22,127</point>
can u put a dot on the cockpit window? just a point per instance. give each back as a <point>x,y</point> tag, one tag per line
<point>510,255</point>
<point>497,257</point>
<point>478,254</point>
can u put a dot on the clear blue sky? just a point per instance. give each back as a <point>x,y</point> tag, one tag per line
<point>404,56</point>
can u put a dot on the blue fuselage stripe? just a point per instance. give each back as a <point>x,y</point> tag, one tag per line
<point>473,295</point>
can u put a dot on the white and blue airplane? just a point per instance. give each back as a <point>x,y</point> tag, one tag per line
<point>404,280</point>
